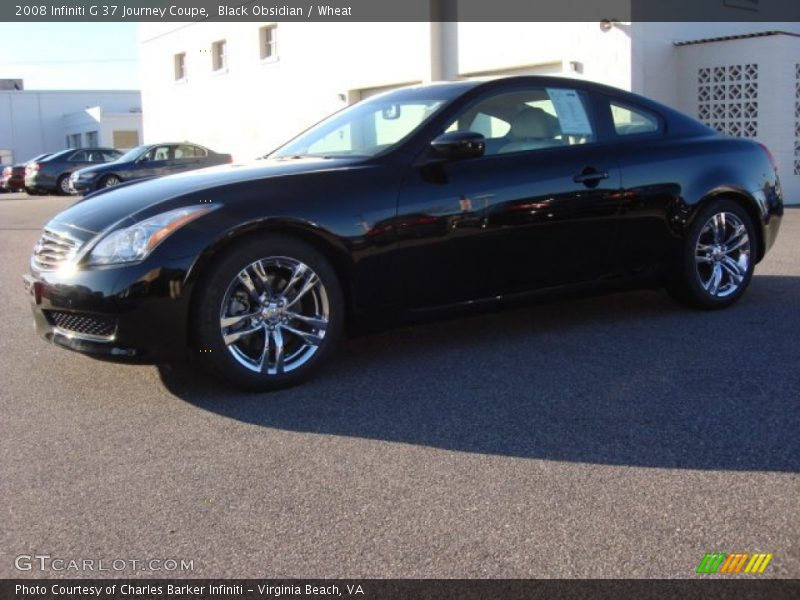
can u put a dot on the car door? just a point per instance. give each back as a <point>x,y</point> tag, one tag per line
<point>80,159</point>
<point>651,200</point>
<point>153,163</point>
<point>186,158</point>
<point>537,210</point>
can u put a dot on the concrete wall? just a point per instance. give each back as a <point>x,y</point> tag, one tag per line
<point>777,58</point>
<point>32,122</point>
<point>654,57</point>
<point>253,106</point>
<point>105,123</point>
<point>545,48</point>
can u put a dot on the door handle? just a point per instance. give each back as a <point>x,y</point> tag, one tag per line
<point>590,175</point>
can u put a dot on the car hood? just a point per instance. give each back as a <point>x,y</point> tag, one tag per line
<point>104,167</point>
<point>129,201</point>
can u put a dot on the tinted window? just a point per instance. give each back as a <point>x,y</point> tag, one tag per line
<point>82,156</point>
<point>159,153</point>
<point>63,155</point>
<point>632,121</point>
<point>530,119</point>
<point>109,155</point>
<point>187,151</point>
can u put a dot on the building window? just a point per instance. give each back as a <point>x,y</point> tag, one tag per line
<point>180,66</point>
<point>218,56</point>
<point>74,140</point>
<point>727,99</point>
<point>268,38</point>
<point>123,139</point>
<point>91,139</point>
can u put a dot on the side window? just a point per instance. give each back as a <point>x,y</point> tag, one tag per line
<point>530,119</point>
<point>159,153</point>
<point>184,151</point>
<point>109,155</point>
<point>632,121</point>
<point>82,156</point>
<point>199,152</point>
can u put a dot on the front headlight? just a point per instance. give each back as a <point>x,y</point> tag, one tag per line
<point>135,242</point>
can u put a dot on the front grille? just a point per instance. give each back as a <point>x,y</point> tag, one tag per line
<point>100,326</point>
<point>53,249</point>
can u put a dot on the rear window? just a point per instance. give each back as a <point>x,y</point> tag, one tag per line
<point>633,121</point>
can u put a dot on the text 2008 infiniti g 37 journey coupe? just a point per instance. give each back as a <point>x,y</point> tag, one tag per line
<point>423,197</point>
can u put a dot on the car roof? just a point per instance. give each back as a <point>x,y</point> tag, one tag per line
<point>61,153</point>
<point>173,144</point>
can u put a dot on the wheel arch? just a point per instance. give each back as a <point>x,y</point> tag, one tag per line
<point>322,241</point>
<point>747,202</point>
<point>105,176</point>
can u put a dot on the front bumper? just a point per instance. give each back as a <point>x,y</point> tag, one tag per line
<point>81,186</point>
<point>135,313</point>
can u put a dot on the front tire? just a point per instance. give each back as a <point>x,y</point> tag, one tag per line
<point>109,181</point>
<point>718,257</point>
<point>268,313</point>
<point>62,185</point>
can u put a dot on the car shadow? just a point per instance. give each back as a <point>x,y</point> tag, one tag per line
<point>625,379</point>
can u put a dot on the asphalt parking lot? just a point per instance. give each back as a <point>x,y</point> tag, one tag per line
<point>620,436</point>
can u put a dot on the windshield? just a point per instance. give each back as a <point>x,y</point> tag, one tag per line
<point>369,127</point>
<point>131,154</point>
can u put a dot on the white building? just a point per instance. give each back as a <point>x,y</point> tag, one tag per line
<point>244,88</point>
<point>33,122</point>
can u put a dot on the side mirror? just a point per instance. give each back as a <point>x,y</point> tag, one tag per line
<point>459,144</point>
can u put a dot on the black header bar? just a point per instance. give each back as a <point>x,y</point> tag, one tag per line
<point>400,10</point>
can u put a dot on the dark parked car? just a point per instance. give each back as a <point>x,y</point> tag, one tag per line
<point>51,174</point>
<point>428,197</point>
<point>155,160</point>
<point>13,178</point>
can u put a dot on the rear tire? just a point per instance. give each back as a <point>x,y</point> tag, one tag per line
<point>717,257</point>
<point>268,313</point>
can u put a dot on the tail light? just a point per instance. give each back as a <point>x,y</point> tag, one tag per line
<point>7,172</point>
<point>32,168</point>
<point>769,156</point>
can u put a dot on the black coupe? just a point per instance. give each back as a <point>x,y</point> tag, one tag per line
<point>154,160</point>
<point>428,197</point>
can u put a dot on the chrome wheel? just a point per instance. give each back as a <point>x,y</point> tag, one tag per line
<point>274,315</point>
<point>63,184</point>
<point>722,254</point>
<point>111,181</point>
